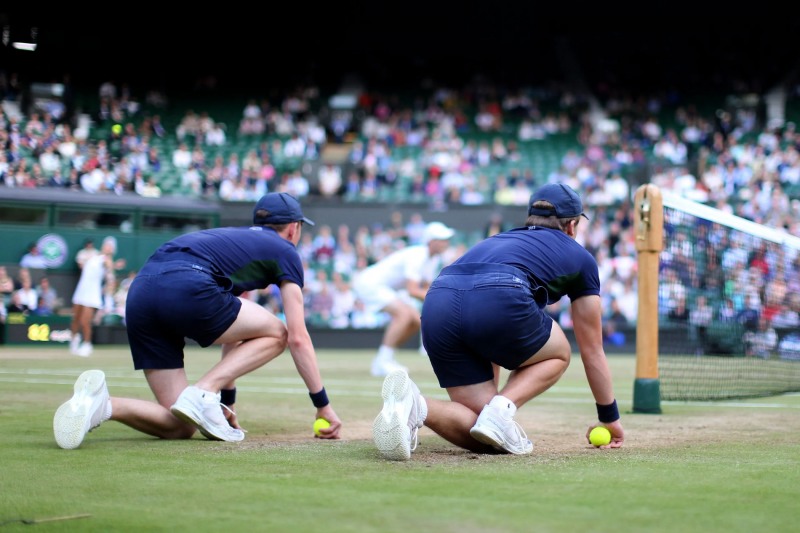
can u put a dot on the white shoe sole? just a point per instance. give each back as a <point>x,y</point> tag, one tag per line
<point>390,429</point>
<point>72,420</point>
<point>487,435</point>
<point>382,370</point>
<point>191,417</point>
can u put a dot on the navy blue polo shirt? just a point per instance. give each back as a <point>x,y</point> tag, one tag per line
<point>252,257</point>
<point>549,257</point>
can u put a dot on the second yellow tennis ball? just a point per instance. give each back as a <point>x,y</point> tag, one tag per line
<point>320,423</point>
<point>600,436</point>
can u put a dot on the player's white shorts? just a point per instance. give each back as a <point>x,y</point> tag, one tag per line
<point>377,297</point>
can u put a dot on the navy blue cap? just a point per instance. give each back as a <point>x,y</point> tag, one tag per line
<point>565,200</point>
<point>278,208</point>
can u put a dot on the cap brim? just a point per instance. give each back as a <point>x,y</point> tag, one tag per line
<point>444,236</point>
<point>308,221</point>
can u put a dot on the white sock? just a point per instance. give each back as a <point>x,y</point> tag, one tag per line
<point>505,405</point>
<point>209,394</point>
<point>107,415</point>
<point>423,409</point>
<point>385,353</point>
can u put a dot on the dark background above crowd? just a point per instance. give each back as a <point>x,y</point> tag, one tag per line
<point>401,45</point>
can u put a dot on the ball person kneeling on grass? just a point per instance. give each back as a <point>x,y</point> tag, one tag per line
<point>486,311</point>
<point>191,287</point>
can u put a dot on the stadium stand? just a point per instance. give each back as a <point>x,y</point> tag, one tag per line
<point>421,148</point>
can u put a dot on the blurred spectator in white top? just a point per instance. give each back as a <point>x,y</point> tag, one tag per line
<point>251,112</point>
<point>618,188</point>
<point>343,301</point>
<point>93,181</point>
<point>182,156</point>
<point>294,147</point>
<point>27,293</point>
<point>345,258</point>
<point>191,181</point>
<point>329,180</point>
<point>296,184</point>
<point>33,259</point>
<point>148,187</point>
<point>216,136</point>
<point>471,196</point>
<point>671,148</point>
<point>49,160</point>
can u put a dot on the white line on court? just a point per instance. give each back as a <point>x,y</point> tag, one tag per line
<point>352,388</point>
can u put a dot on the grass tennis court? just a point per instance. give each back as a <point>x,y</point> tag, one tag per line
<point>727,466</point>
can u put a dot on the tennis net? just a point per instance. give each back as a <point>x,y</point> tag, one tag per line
<point>728,306</point>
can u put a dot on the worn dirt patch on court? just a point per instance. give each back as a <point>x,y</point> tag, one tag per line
<point>558,438</point>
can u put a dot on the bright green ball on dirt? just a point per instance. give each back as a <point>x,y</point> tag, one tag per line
<point>320,423</point>
<point>600,436</point>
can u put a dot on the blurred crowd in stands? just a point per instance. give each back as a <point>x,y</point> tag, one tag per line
<point>471,147</point>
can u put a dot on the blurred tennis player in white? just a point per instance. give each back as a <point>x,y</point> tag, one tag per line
<point>397,285</point>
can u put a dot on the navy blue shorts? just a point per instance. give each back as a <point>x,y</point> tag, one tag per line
<point>169,301</point>
<point>476,314</point>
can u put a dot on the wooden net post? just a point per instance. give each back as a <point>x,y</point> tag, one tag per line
<point>649,228</point>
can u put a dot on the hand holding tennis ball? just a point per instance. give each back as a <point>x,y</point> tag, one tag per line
<point>320,423</point>
<point>599,436</point>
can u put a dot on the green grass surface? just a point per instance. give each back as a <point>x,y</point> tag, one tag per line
<point>727,466</point>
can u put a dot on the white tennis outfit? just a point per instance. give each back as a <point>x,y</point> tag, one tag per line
<point>385,281</point>
<point>89,291</point>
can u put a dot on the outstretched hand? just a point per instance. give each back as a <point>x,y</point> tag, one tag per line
<point>331,432</point>
<point>230,416</point>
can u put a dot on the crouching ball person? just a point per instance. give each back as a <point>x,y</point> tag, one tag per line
<point>190,287</point>
<point>486,311</point>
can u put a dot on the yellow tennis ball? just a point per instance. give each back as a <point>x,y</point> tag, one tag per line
<point>320,423</point>
<point>600,436</point>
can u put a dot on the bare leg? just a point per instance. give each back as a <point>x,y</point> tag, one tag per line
<point>452,420</point>
<point>404,323</point>
<point>74,323</point>
<point>264,338</point>
<point>246,357</point>
<point>87,314</point>
<point>151,417</point>
<point>82,321</point>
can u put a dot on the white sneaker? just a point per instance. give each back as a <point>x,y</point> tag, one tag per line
<point>87,409</point>
<point>404,411</point>
<point>85,349</point>
<point>74,344</point>
<point>203,410</point>
<point>382,368</point>
<point>505,434</point>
